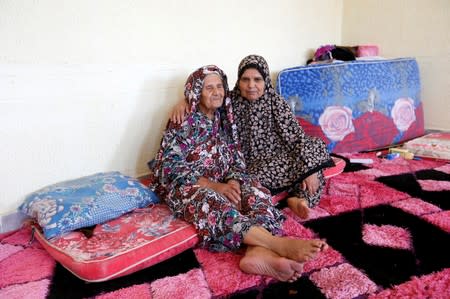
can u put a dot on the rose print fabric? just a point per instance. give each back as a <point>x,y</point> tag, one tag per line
<point>359,105</point>
<point>336,122</point>
<point>403,113</point>
<point>276,149</point>
<point>201,147</point>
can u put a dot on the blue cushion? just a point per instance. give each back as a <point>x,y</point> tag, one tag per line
<point>85,201</point>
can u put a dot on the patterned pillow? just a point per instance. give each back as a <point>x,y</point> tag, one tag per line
<point>124,245</point>
<point>85,201</point>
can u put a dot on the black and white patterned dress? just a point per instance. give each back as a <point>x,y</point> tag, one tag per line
<point>276,149</point>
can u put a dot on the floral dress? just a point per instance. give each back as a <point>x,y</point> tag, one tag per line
<point>198,148</point>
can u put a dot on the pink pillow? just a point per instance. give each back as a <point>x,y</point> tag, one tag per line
<point>367,50</point>
<point>122,246</point>
<point>339,165</point>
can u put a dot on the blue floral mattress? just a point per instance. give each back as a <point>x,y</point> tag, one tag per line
<point>357,105</point>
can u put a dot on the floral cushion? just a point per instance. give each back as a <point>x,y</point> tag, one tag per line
<point>122,246</point>
<point>86,201</point>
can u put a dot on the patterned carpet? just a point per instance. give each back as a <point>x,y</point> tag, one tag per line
<point>387,224</point>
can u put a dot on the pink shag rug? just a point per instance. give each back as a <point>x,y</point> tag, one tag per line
<point>387,225</point>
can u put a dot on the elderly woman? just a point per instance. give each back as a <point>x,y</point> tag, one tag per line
<point>276,149</point>
<point>200,173</point>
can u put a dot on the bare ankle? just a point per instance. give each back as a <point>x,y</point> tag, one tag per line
<point>299,206</point>
<point>296,199</point>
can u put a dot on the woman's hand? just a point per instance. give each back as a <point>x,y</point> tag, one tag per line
<point>236,187</point>
<point>231,190</point>
<point>311,183</point>
<point>235,183</point>
<point>178,112</point>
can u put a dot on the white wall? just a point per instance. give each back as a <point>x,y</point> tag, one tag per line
<point>415,28</point>
<point>86,86</point>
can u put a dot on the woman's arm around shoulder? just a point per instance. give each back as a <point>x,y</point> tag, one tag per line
<point>179,111</point>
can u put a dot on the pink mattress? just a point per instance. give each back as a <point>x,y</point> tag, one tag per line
<point>134,241</point>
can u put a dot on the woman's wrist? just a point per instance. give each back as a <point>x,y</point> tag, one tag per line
<point>204,182</point>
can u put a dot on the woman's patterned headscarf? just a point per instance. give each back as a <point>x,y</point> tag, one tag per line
<point>194,84</point>
<point>259,63</point>
<point>249,124</point>
<point>193,91</point>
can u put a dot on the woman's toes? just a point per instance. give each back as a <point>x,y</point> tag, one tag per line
<point>295,277</point>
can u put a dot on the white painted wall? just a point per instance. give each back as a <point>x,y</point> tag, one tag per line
<point>415,28</point>
<point>86,86</point>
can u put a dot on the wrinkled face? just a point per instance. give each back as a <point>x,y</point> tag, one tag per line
<point>212,94</point>
<point>251,84</point>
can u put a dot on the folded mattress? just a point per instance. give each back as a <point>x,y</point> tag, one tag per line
<point>356,105</point>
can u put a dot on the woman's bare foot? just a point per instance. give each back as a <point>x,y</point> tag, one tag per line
<point>299,250</point>
<point>295,277</point>
<point>299,206</point>
<point>262,261</point>
<point>293,249</point>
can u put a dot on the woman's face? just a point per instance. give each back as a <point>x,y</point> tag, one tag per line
<point>251,84</point>
<point>212,94</point>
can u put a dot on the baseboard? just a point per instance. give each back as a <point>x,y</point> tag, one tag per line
<point>11,221</point>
